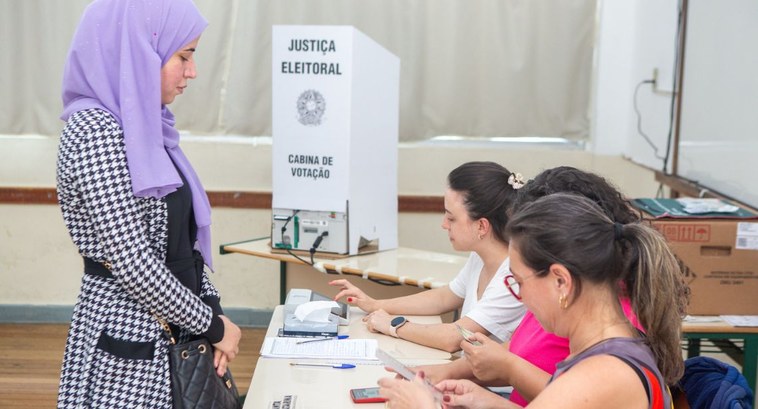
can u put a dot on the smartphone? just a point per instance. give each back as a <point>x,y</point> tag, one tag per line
<point>366,395</point>
<point>466,334</point>
<point>406,373</point>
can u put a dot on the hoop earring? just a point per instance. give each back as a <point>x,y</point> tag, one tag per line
<point>563,301</point>
<point>480,237</point>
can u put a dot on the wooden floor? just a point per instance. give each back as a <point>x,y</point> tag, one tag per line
<point>31,355</point>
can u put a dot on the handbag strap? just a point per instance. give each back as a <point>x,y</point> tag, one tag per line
<point>166,329</point>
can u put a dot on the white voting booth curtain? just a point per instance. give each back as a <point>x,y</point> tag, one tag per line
<point>468,67</point>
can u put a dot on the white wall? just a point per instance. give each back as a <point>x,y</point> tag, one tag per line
<point>718,142</point>
<point>635,38</point>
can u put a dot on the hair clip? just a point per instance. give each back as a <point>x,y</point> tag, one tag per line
<point>516,181</point>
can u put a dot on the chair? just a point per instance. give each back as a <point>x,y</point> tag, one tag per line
<point>711,384</point>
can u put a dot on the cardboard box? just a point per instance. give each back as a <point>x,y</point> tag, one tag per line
<point>719,258</point>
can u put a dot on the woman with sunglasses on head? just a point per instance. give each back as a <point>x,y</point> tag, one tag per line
<point>134,207</point>
<point>528,360</point>
<point>569,259</point>
<point>476,203</point>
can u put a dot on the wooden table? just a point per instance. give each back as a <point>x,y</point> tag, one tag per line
<point>401,266</point>
<point>722,333</point>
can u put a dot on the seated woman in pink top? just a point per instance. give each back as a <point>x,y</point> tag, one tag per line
<point>529,359</point>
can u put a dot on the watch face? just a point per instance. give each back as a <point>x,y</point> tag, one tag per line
<point>397,321</point>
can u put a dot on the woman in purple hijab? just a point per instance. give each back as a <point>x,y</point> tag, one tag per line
<point>134,206</point>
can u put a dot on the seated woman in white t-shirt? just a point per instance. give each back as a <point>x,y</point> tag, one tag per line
<point>476,203</point>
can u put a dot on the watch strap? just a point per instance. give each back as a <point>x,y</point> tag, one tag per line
<point>393,329</point>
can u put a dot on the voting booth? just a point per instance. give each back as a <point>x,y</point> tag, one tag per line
<point>335,131</point>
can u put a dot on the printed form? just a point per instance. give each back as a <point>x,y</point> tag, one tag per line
<point>285,347</point>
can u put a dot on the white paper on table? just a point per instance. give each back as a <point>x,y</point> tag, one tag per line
<point>702,319</point>
<point>741,320</point>
<point>315,311</point>
<point>286,347</point>
<point>700,205</point>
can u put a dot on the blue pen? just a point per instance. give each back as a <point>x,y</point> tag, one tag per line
<point>322,339</point>
<point>337,366</point>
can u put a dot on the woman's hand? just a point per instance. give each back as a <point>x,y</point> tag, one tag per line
<point>434,373</point>
<point>466,394</point>
<point>354,295</point>
<point>402,394</point>
<point>489,361</point>
<point>228,347</point>
<point>378,321</point>
<point>220,361</point>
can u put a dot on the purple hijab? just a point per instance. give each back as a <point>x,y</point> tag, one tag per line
<point>114,64</point>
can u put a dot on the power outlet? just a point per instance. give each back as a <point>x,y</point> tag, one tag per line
<point>660,85</point>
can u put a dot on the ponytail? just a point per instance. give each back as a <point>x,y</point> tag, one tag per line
<point>658,295</point>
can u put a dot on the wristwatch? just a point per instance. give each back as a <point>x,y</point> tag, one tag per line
<point>396,323</point>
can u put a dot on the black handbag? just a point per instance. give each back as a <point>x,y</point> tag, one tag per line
<point>194,381</point>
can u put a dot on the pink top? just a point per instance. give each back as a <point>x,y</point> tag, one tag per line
<point>537,346</point>
<point>544,349</point>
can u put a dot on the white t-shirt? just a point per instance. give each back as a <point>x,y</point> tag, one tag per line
<point>498,311</point>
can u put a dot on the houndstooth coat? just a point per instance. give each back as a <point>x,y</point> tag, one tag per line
<point>112,315</point>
